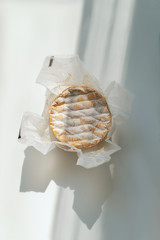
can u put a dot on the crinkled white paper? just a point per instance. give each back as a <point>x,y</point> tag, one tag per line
<point>57,74</point>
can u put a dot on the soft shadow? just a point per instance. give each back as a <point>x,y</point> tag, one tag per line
<point>85,26</point>
<point>133,193</point>
<point>129,212</point>
<point>91,186</point>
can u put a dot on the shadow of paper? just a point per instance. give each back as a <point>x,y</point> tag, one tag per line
<point>91,186</point>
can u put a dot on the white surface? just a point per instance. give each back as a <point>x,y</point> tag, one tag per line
<point>29,32</point>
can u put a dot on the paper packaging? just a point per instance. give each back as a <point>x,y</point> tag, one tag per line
<point>57,74</point>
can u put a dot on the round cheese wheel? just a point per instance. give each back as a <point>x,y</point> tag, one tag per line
<point>80,116</point>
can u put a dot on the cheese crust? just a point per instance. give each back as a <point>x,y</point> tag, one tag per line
<point>80,116</point>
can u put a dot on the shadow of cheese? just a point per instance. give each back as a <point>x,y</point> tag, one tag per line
<point>91,186</point>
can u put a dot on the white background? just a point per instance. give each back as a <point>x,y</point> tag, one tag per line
<point>29,32</point>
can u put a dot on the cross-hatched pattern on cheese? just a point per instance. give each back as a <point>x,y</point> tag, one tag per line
<point>80,117</point>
